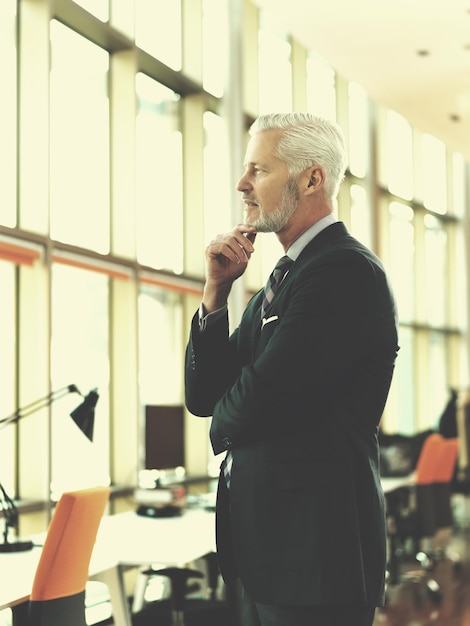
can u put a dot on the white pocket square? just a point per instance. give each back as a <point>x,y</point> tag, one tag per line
<point>269,319</point>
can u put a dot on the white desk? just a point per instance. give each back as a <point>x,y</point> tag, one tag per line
<point>135,541</point>
<point>389,485</point>
<point>124,540</point>
<point>392,483</point>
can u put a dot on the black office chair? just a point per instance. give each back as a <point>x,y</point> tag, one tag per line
<point>184,607</point>
<point>412,510</point>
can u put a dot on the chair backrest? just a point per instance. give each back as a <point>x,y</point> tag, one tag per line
<point>446,460</point>
<point>63,566</point>
<point>426,465</point>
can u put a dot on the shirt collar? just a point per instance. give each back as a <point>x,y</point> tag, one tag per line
<point>306,237</point>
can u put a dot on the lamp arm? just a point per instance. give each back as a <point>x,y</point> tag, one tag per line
<point>10,512</point>
<point>32,407</point>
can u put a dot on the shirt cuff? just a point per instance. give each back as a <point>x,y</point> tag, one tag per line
<point>207,319</point>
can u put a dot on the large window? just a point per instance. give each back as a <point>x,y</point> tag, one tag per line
<point>79,152</point>
<point>159,176</point>
<point>79,356</point>
<point>275,70</point>
<point>215,46</point>
<point>421,249</point>
<point>218,187</point>
<point>7,373</point>
<point>116,149</point>
<point>8,113</point>
<point>397,158</point>
<point>401,258</point>
<point>358,127</point>
<point>321,90</point>
<point>433,154</point>
<point>97,7</point>
<point>158,30</point>
<point>160,347</point>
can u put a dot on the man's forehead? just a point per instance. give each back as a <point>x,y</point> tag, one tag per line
<point>261,147</point>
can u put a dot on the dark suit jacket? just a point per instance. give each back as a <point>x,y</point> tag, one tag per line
<point>298,401</point>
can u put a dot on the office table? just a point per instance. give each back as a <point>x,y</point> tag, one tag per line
<point>135,541</point>
<point>124,540</point>
<point>390,485</point>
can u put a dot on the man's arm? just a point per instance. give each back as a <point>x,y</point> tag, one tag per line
<point>331,325</point>
<point>211,366</point>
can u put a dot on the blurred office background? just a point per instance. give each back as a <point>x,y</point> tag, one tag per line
<point>123,126</point>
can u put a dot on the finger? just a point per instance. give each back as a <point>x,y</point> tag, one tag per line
<point>251,237</point>
<point>228,249</point>
<point>245,236</point>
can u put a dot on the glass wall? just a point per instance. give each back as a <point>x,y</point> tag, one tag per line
<point>7,374</point>
<point>79,143</point>
<point>79,356</point>
<point>119,170</point>
<point>159,193</point>
<point>8,118</point>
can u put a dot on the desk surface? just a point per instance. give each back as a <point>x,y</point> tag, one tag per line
<point>124,539</point>
<point>135,540</point>
<point>392,483</point>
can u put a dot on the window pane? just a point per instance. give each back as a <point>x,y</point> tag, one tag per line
<point>275,71</point>
<point>217,187</point>
<point>7,373</point>
<point>438,385</point>
<point>159,175</point>
<point>79,355</point>
<point>158,30</point>
<point>459,307</point>
<point>160,323</point>
<point>435,267</point>
<point>402,392</point>
<point>458,185</point>
<point>215,37</point>
<point>434,174</point>
<point>79,157</point>
<point>398,164</point>
<point>321,90</point>
<point>99,8</point>
<point>402,251</point>
<point>358,130</point>
<point>8,114</point>
<point>361,226</point>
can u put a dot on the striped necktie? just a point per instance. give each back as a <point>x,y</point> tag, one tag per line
<point>274,280</point>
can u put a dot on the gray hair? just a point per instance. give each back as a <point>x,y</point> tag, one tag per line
<point>308,140</point>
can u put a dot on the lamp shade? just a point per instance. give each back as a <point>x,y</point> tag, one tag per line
<point>84,414</point>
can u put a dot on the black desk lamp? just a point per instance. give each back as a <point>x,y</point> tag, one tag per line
<point>83,416</point>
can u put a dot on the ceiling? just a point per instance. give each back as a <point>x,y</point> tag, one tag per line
<point>412,56</point>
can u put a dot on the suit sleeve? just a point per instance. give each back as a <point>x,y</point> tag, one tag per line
<point>211,366</point>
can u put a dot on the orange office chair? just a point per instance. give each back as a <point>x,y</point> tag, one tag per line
<point>445,467</point>
<point>414,508</point>
<point>58,593</point>
<point>413,514</point>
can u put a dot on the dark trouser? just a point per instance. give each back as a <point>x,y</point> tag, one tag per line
<point>255,614</point>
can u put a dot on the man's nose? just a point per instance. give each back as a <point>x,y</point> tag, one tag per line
<point>243,184</point>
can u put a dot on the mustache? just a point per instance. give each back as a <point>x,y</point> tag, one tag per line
<point>249,198</point>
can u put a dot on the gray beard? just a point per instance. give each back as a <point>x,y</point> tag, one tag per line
<point>276,221</point>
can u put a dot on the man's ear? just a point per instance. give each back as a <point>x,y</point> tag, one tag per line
<point>316,176</point>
